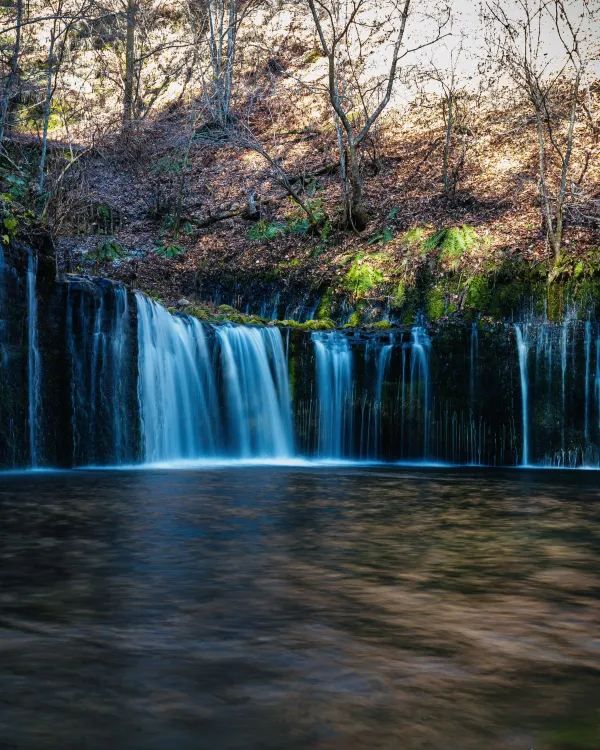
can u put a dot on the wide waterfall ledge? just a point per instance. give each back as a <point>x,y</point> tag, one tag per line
<point>92,374</point>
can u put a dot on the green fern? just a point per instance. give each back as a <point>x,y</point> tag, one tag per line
<point>108,251</point>
<point>382,237</point>
<point>452,243</point>
<point>170,251</point>
<point>266,230</point>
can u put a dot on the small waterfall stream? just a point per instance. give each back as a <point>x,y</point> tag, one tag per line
<point>34,375</point>
<point>377,360</point>
<point>420,394</point>
<point>333,359</point>
<point>560,400</point>
<point>176,387</point>
<point>98,352</point>
<point>256,392</point>
<point>522,352</point>
<point>3,322</point>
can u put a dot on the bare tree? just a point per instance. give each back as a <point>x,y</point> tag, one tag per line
<point>458,105</point>
<point>63,22</point>
<point>242,136</point>
<point>11,81</point>
<point>131,13</point>
<point>343,29</point>
<point>552,84</point>
<point>140,51</point>
<point>215,25</point>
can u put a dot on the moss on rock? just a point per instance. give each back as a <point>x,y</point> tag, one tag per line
<point>363,275</point>
<point>325,309</point>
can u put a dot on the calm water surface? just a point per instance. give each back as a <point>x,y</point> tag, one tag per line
<point>300,608</point>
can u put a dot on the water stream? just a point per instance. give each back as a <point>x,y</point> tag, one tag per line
<point>34,366</point>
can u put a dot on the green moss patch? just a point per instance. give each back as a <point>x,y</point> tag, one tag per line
<point>364,274</point>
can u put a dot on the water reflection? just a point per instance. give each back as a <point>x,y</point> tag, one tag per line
<point>300,608</point>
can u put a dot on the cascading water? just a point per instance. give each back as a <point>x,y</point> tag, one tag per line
<point>99,355</point>
<point>588,357</point>
<point>3,323</point>
<point>34,364</point>
<point>522,351</point>
<point>176,388</point>
<point>256,390</point>
<point>333,357</point>
<point>130,382</point>
<point>420,380</point>
<point>377,360</point>
<point>209,391</point>
<point>597,382</point>
<point>473,357</point>
<point>560,403</point>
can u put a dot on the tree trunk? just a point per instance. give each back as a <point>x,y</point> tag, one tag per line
<point>357,216</point>
<point>447,145</point>
<point>49,95</point>
<point>128,95</point>
<point>554,240</point>
<point>13,75</point>
<point>228,73</point>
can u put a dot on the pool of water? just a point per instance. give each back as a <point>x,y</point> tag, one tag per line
<point>297,607</point>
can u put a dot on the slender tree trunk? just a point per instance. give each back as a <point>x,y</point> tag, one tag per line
<point>182,178</point>
<point>566,163</point>
<point>447,145</point>
<point>128,94</point>
<point>543,187</point>
<point>357,218</point>
<point>49,95</point>
<point>13,75</point>
<point>222,28</point>
<point>231,44</point>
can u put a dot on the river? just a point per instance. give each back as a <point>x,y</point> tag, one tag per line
<point>337,608</point>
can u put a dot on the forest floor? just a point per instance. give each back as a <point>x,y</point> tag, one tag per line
<point>492,225</point>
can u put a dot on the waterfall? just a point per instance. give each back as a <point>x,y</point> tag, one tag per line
<point>256,390</point>
<point>522,350</point>
<point>129,381</point>
<point>211,390</point>
<point>597,379</point>
<point>559,392</point>
<point>176,387</point>
<point>588,358</point>
<point>333,357</point>
<point>3,322</point>
<point>383,353</point>
<point>376,363</point>
<point>420,380</point>
<point>34,375</point>
<point>473,356</point>
<point>98,352</point>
